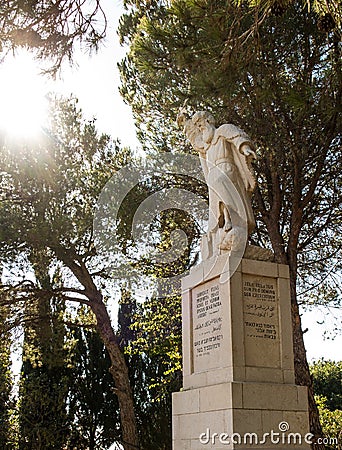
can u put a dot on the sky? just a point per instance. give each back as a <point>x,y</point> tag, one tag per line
<point>94,81</point>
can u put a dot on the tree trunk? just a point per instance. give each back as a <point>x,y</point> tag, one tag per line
<point>301,366</point>
<point>119,372</point>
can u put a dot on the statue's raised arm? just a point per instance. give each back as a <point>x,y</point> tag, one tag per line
<point>226,154</point>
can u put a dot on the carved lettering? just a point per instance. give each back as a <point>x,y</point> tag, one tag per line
<point>207,325</point>
<point>261,321</point>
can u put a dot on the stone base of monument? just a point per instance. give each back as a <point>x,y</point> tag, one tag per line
<point>238,378</point>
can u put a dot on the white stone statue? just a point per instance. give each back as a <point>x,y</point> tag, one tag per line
<point>226,154</point>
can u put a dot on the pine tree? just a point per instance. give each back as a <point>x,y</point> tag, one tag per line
<point>49,191</point>
<point>45,377</point>
<point>93,404</point>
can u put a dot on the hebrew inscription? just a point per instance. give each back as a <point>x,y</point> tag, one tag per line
<point>207,326</point>
<point>261,321</point>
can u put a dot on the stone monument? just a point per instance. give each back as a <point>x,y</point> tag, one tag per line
<point>239,387</point>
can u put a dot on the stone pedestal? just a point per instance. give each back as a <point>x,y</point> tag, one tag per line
<point>238,376</point>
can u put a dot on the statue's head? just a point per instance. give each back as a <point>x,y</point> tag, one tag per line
<point>202,117</point>
<point>205,123</point>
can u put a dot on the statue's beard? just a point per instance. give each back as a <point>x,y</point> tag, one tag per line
<point>208,135</point>
<point>196,139</point>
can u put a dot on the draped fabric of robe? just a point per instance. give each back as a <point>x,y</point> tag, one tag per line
<point>230,178</point>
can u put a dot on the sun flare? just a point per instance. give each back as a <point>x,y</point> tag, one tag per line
<point>23,105</point>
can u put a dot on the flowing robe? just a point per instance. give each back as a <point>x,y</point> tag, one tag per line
<point>229,177</point>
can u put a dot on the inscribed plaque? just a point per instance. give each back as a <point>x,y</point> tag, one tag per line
<point>207,326</point>
<point>261,321</point>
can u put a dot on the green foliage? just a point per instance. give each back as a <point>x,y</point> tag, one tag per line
<point>42,407</point>
<point>93,405</point>
<point>72,401</point>
<point>328,12</point>
<point>327,381</point>
<point>45,376</point>
<point>157,346</point>
<point>155,340</point>
<point>154,362</point>
<point>331,423</point>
